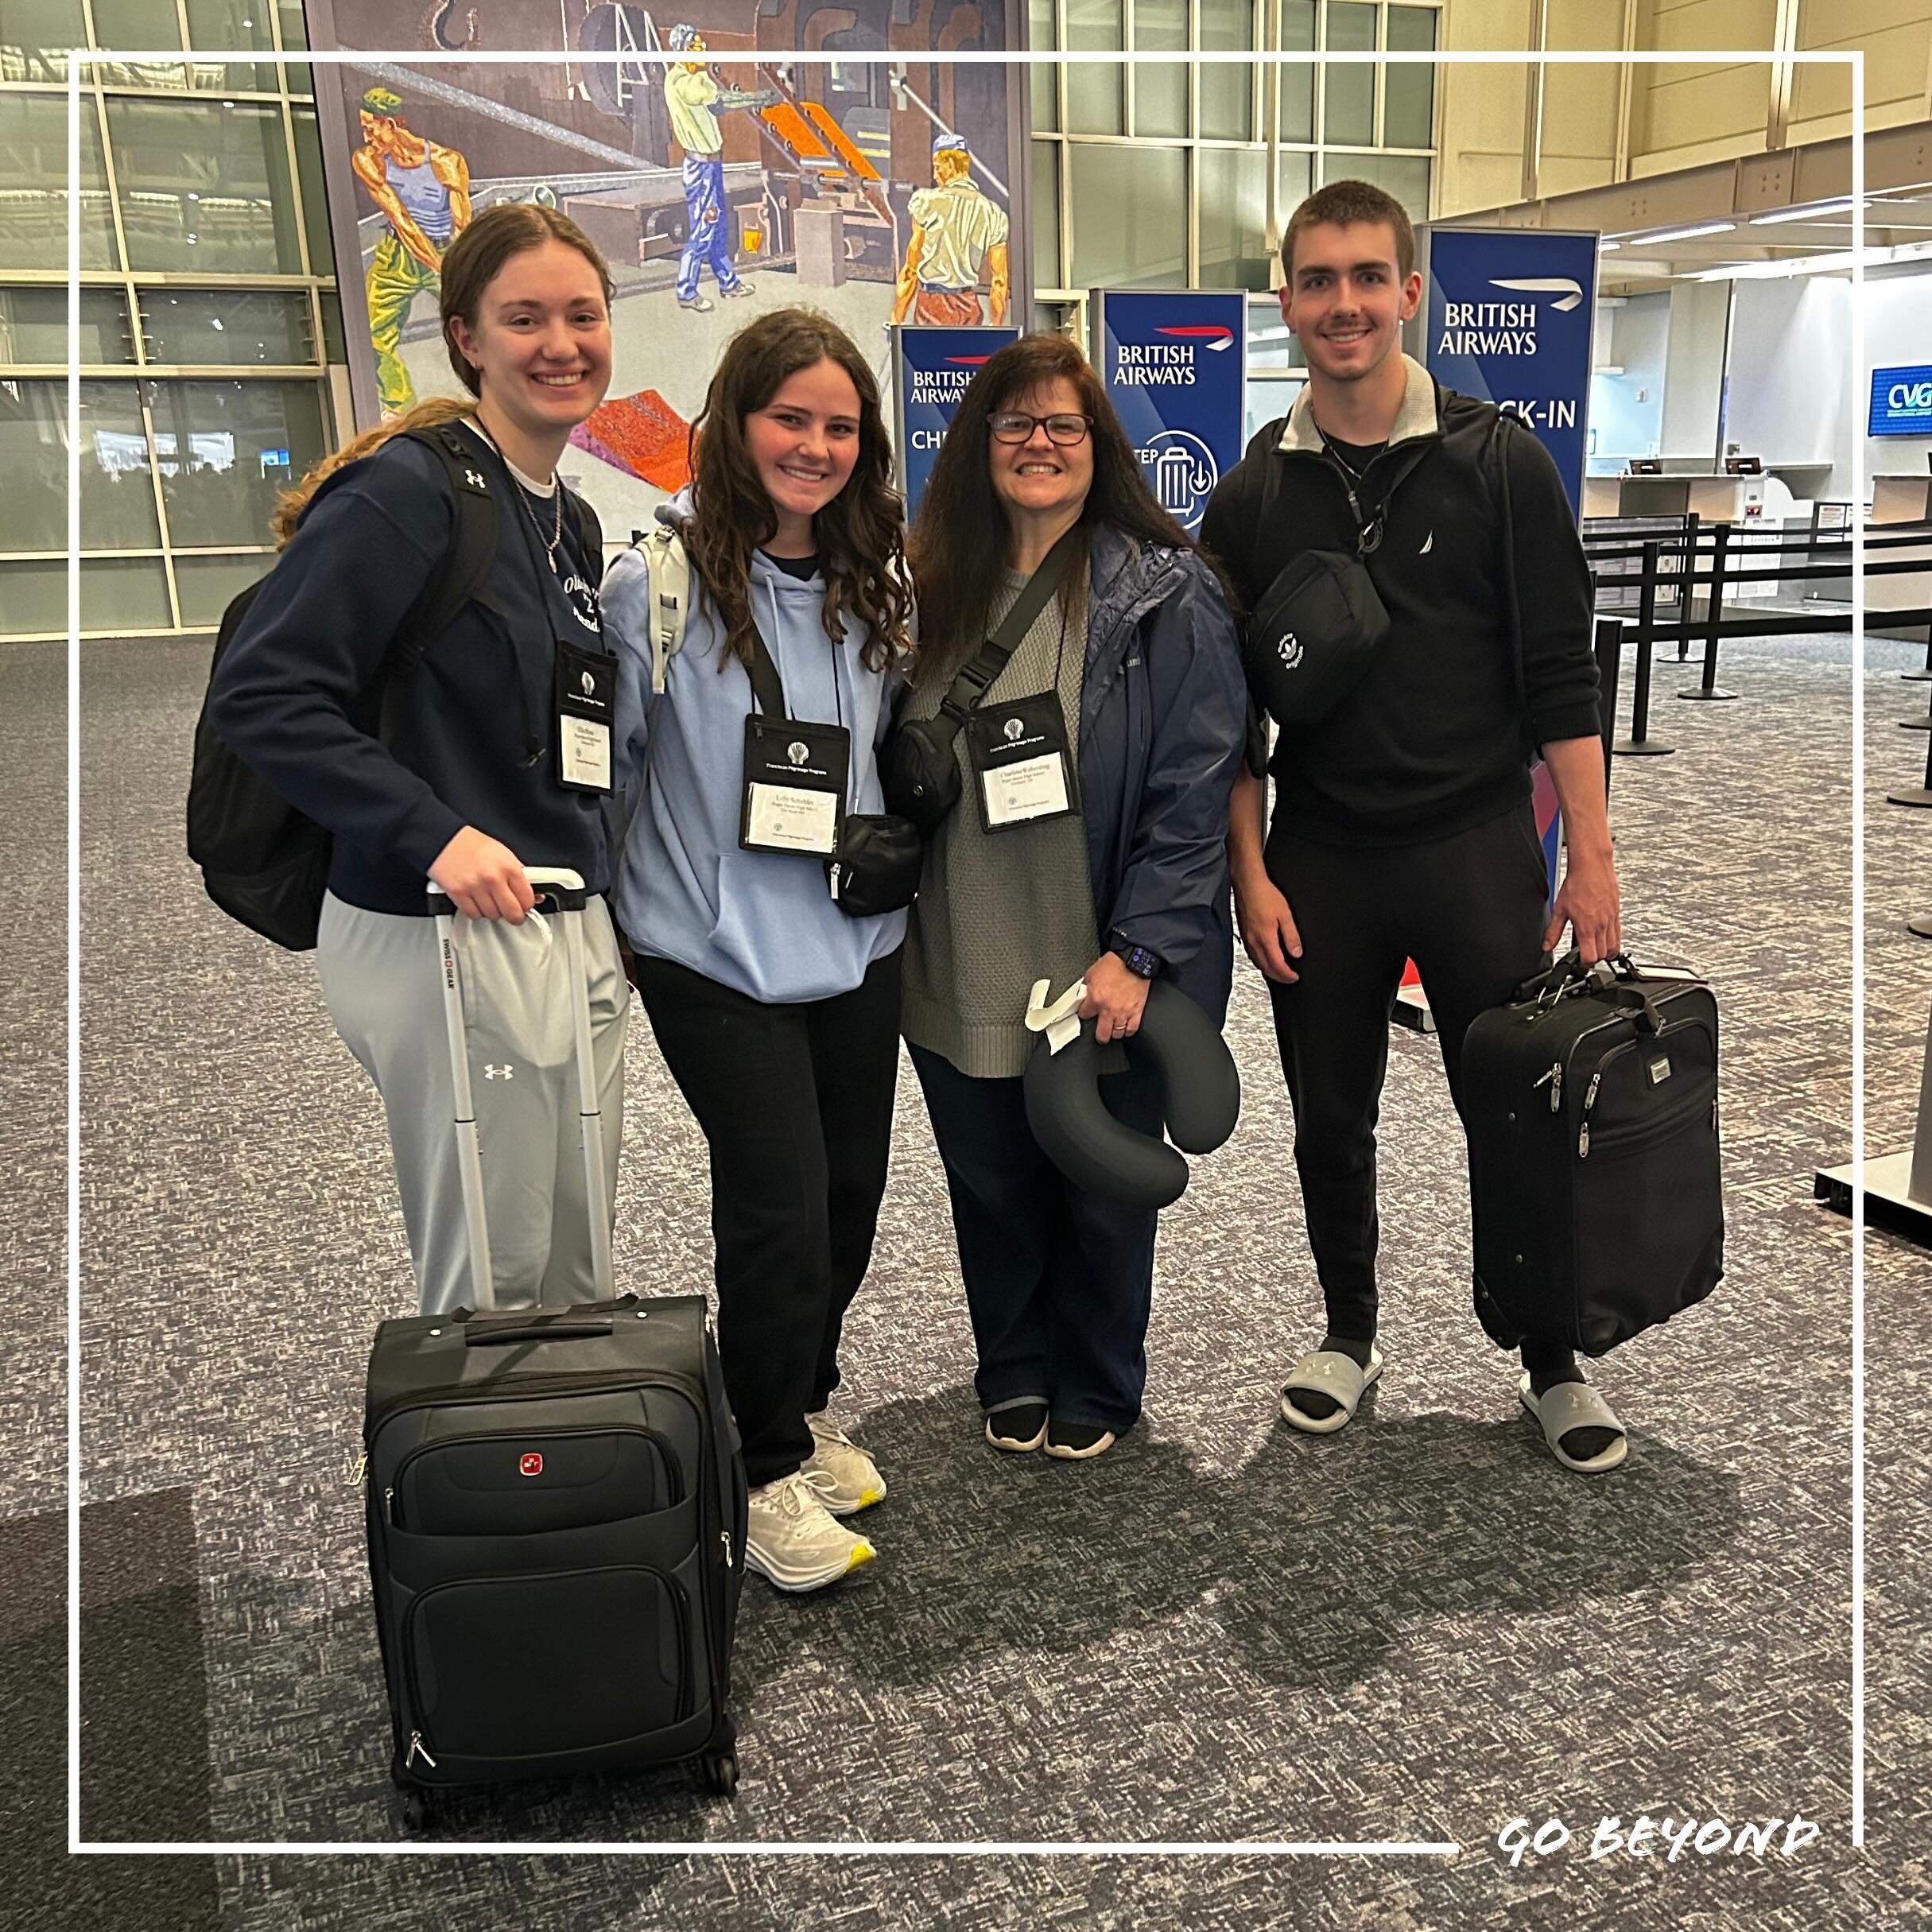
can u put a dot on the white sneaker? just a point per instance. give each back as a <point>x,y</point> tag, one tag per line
<point>794,1542</point>
<point>845,1477</point>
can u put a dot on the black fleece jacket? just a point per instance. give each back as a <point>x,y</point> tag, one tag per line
<point>1436,738</point>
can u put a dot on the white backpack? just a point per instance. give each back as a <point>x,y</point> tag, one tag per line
<point>670,570</point>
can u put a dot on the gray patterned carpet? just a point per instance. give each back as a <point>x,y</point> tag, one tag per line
<point>1420,1629</point>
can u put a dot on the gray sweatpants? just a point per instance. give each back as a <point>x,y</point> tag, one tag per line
<point>382,979</point>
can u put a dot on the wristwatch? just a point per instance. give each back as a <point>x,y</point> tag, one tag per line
<point>1137,960</point>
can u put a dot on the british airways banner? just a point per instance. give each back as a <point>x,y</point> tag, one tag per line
<point>1175,365</point>
<point>1509,313</point>
<point>930,370</point>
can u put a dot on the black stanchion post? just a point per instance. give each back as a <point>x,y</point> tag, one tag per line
<point>1707,688</point>
<point>1609,648</point>
<point>1923,795</point>
<point>1924,676</point>
<point>1687,565</point>
<point>1640,744</point>
<point>1919,724</point>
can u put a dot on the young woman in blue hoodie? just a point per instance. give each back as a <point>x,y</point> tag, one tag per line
<point>776,1011</point>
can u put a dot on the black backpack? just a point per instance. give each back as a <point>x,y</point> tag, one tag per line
<point>262,862</point>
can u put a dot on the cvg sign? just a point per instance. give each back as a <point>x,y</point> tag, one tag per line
<point>1901,401</point>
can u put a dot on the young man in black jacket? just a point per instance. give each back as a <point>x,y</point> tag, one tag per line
<point>1403,826</point>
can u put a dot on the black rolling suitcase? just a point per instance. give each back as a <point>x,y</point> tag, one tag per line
<point>1591,1103</point>
<point>556,1508</point>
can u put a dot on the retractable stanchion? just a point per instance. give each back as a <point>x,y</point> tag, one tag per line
<point>1921,925</point>
<point>1687,564</point>
<point>1924,676</point>
<point>1713,617</point>
<point>1640,744</point>
<point>1918,724</point>
<point>1898,1186</point>
<point>1607,642</point>
<point>1923,795</point>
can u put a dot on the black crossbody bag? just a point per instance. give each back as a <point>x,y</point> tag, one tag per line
<point>876,868</point>
<point>917,770</point>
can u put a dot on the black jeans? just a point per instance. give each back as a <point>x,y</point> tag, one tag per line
<point>796,1102</point>
<point>1059,1282</point>
<point>1469,910</point>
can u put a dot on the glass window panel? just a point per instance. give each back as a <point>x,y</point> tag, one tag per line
<point>1408,92</point>
<point>33,326</point>
<point>1042,82</point>
<point>1299,78</point>
<point>117,491</point>
<point>333,350</point>
<point>1405,176</point>
<point>294,32</point>
<point>1227,87</point>
<point>226,325</point>
<point>1094,88</point>
<point>1271,344</point>
<point>226,450</point>
<point>1046,215</point>
<point>315,194</point>
<point>124,593</point>
<point>1350,90</point>
<point>35,36</point>
<point>33,599</point>
<point>204,584</point>
<point>1129,217</point>
<point>1234,215</point>
<point>33,185</point>
<point>143,23</point>
<point>1296,183</point>
<point>1160,92</point>
<point>206,189</point>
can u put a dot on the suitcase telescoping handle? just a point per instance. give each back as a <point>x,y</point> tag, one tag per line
<point>560,891</point>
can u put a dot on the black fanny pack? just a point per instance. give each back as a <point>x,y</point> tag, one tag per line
<point>917,768</point>
<point>1313,636</point>
<point>875,867</point>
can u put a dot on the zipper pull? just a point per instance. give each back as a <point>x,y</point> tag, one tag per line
<point>418,1749</point>
<point>389,1496</point>
<point>1553,1080</point>
<point>358,1470</point>
<point>724,1537</point>
<point>1590,1099</point>
<point>834,876</point>
<point>1583,1142</point>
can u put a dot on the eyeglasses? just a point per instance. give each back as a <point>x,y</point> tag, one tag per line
<point>1010,426</point>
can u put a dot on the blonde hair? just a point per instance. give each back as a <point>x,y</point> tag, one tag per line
<point>291,503</point>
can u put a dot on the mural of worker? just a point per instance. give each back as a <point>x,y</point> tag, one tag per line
<point>957,235</point>
<point>423,191</point>
<point>697,98</point>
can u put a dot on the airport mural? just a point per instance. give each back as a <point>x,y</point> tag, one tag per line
<point>724,180</point>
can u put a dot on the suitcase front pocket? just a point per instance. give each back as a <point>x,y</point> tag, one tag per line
<point>504,1485</point>
<point>545,1665</point>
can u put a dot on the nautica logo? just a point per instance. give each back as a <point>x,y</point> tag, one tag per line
<point>1568,293</point>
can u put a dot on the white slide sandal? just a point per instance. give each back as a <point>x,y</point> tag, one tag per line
<point>1327,1371</point>
<point>1571,1405</point>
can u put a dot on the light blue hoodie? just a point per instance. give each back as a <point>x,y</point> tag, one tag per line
<point>764,924</point>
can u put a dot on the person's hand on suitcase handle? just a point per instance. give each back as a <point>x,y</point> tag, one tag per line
<point>1589,905</point>
<point>482,878</point>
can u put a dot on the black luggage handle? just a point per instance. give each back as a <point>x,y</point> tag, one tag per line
<point>521,1324</point>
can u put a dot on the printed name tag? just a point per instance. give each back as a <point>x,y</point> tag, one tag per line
<point>586,686</point>
<point>1019,754</point>
<point>795,787</point>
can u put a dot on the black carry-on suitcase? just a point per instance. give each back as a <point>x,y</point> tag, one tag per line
<point>1591,1103</point>
<point>556,1504</point>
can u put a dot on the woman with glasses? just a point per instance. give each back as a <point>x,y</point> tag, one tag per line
<point>1087,843</point>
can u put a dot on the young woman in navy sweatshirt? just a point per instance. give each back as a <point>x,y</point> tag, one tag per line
<point>466,783</point>
<point>776,1011</point>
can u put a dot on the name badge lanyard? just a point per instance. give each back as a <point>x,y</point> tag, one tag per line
<point>1019,752</point>
<point>796,771</point>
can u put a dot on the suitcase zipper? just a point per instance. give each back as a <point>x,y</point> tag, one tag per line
<point>1553,1080</point>
<point>418,1749</point>
<point>529,1387</point>
<point>1596,1081</point>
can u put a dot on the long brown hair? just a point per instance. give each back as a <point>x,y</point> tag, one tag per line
<point>960,540</point>
<point>860,533</point>
<point>473,260</point>
<point>292,502</point>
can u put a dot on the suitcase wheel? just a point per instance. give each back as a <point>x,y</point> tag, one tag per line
<point>720,1769</point>
<point>415,1812</point>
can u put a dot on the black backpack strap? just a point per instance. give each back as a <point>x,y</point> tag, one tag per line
<point>471,551</point>
<point>585,532</point>
<point>976,675</point>
<point>767,687</point>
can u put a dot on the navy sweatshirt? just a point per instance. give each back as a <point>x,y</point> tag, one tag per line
<point>470,739</point>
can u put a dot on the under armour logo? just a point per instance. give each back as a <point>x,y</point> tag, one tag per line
<point>474,478</point>
<point>499,1072</point>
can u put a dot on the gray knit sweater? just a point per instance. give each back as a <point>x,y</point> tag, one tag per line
<point>997,911</point>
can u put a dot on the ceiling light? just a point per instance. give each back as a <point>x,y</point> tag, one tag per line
<point>1814,213</point>
<point>1683,234</point>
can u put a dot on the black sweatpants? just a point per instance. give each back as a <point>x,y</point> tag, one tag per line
<point>796,1102</point>
<point>1469,910</point>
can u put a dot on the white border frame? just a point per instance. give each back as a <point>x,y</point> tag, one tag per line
<point>936,1847</point>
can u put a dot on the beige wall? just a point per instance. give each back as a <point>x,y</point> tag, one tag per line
<point>1679,114</point>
